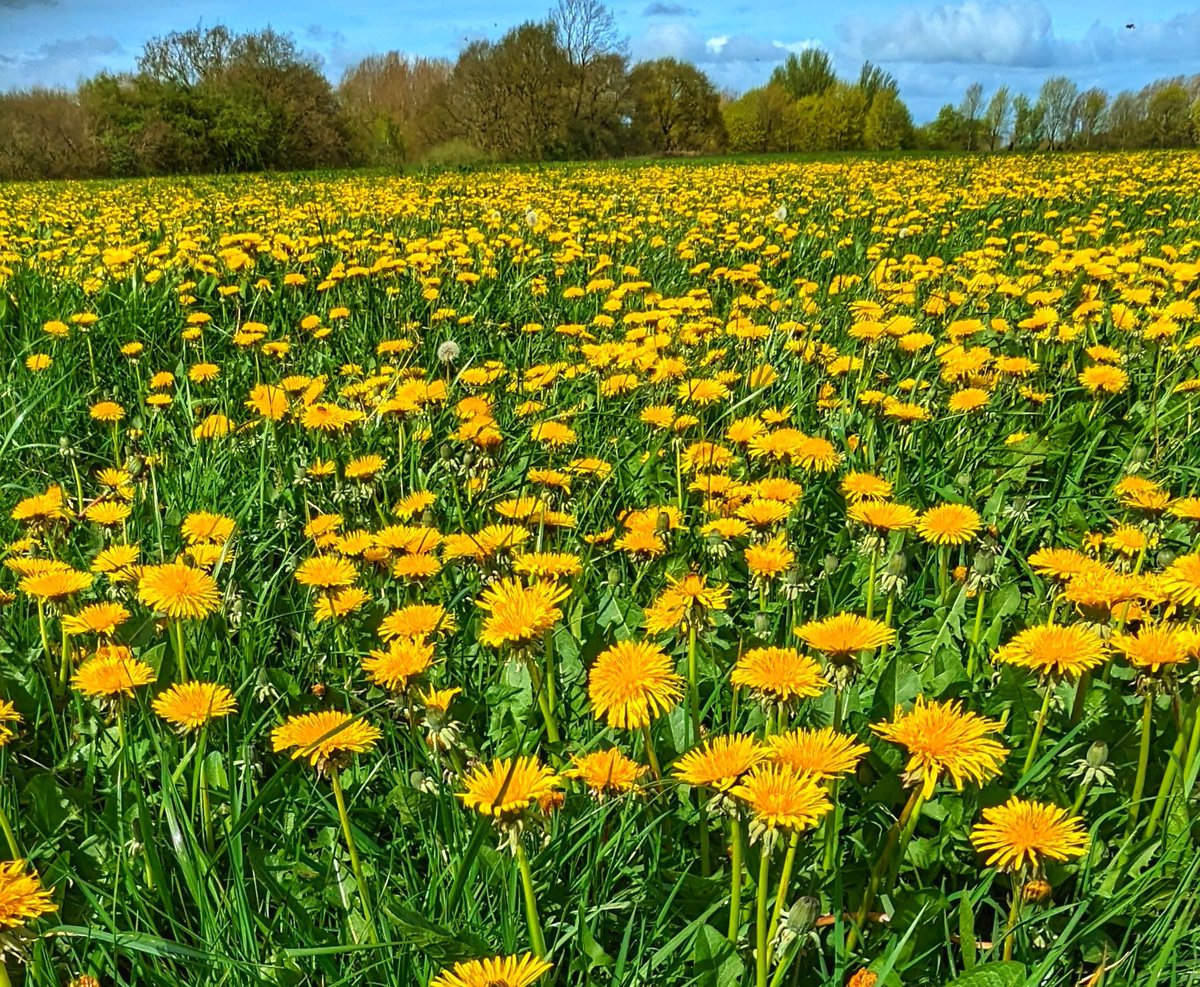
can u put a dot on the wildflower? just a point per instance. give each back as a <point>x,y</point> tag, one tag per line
<point>781,798</point>
<point>178,590</point>
<point>325,738</point>
<point>720,762</point>
<point>22,897</point>
<point>519,615</point>
<point>949,524</point>
<point>823,753</point>
<point>768,560</point>
<point>112,672</point>
<point>943,740</point>
<point>606,771</point>
<point>191,705</point>
<point>507,788</point>
<point>404,660</point>
<point>56,584</point>
<point>1024,833</point>
<point>326,572</point>
<point>845,634</point>
<point>631,683</point>
<point>779,674</point>
<point>417,620</point>
<point>1054,650</point>
<point>98,618</point>
<point>498,971</point>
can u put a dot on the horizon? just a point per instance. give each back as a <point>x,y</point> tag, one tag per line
<point>934,50</point>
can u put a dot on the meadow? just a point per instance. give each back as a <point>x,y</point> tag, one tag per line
<point>769,573</point>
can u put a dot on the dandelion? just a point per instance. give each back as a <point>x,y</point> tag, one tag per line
<point>497,971</point>
<point>1024,833</point>
<point>606,771</point>
<point>112,673</point>
<point>192,705</point>
<point>779,675</point>
<point>822,753</point>
<point>630,684</point>
<point>22,897</point>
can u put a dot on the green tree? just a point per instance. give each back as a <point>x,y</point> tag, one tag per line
<point>808,74</point>
<point>888,124</point>
<point>1169,116</point>
<point>873,80</point>
<point>675,108</point>
<point>1056,100</point>
<point>997,117</point>
<point>764,119</point>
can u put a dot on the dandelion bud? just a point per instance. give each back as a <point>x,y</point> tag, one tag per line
<point>614,576</point>
<point>802,916</point>
<point>762,625</point>
<point>830,564</point>
<point>445,452</point>
<point>1097,755</point>
<point>1036,891</point>
<point>662,524</point>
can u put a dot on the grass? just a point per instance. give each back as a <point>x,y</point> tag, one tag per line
<point>152,889</point>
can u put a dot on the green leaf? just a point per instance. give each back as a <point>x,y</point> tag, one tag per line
<point>898,685</point>
<point>966,931</point>
<point>717,963</point>
<point>992,975</point>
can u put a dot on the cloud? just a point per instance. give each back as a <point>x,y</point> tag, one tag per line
<point>997,32</point>
<point>1017,34</point>
<point>659,9</point>
<point>674,39</point>
<point>63,63</point>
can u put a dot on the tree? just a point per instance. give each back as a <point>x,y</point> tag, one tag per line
<point>1169,116</point>
<point>395,106</point>
<point>888,125</point>
<point>970,109</point>
<point>764,119</point>
<point>1057,101</point>
<point>840,117</point>
<point>873,80</point>
<point>1027,122</point>
<point>808,74</point>
<point>997,117</point>
<point>1124,122</point>
<point>947,131</point>
<point>1089,110</point>
<point>597,66</point>
<point>507,97</point>
<point>675,108</point>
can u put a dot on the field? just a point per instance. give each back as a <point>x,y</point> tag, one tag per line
<point>701,574</point>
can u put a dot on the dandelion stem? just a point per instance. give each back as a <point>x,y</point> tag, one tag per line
<point>64,666</point>
<point>833,817</point>
<point>1139,783</point>
<point>1037,730</point>
<point>760,952</point>
<point>1169,773</point>
<point>180,650</point>
<point>789,862</point>
<point>735,879</point>
<point>944,572</point>
<point>871,583</point>
<point>1014,914</point>
<point>903,824</point>
<point>336,783</point>
<point>51,680</point>
<point>536,939</point>
<point>655,769</point>
<point>1081,688</point>
<point>693,685</point>
<point>10,837</point>
<point>4,981</point>
<point>975,633</point>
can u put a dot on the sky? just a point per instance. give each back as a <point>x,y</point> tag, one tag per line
<point>935,50</point>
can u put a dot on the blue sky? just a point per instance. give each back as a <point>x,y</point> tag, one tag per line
<point>934,49</point>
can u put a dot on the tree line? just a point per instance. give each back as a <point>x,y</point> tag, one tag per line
<point>213,100</point>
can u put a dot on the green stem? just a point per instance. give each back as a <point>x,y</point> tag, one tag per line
<point>833,817</point>
<point>1139,783</point>
<point>177,639</point>
<point>64,665</point>
<point>551,687</point>
<point>944,572</point>
<point>789,862</point>
<point>9,836</point>
<point>735,879</point>
<point>655,769</point>
<point>50,677</point>
<point>336,782</point>
<point>903,824</point>
<point>975,633</point>
<point>531,915</point>
<point>871,584</point>
<point>760,952</point>
<point>1014,913</point>
<point>4,981</point>
<point>1168,779</point>
<point>1189,761</point>
<point>539,687</point>
<point>1037,729</point>
<point>693,684</point>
